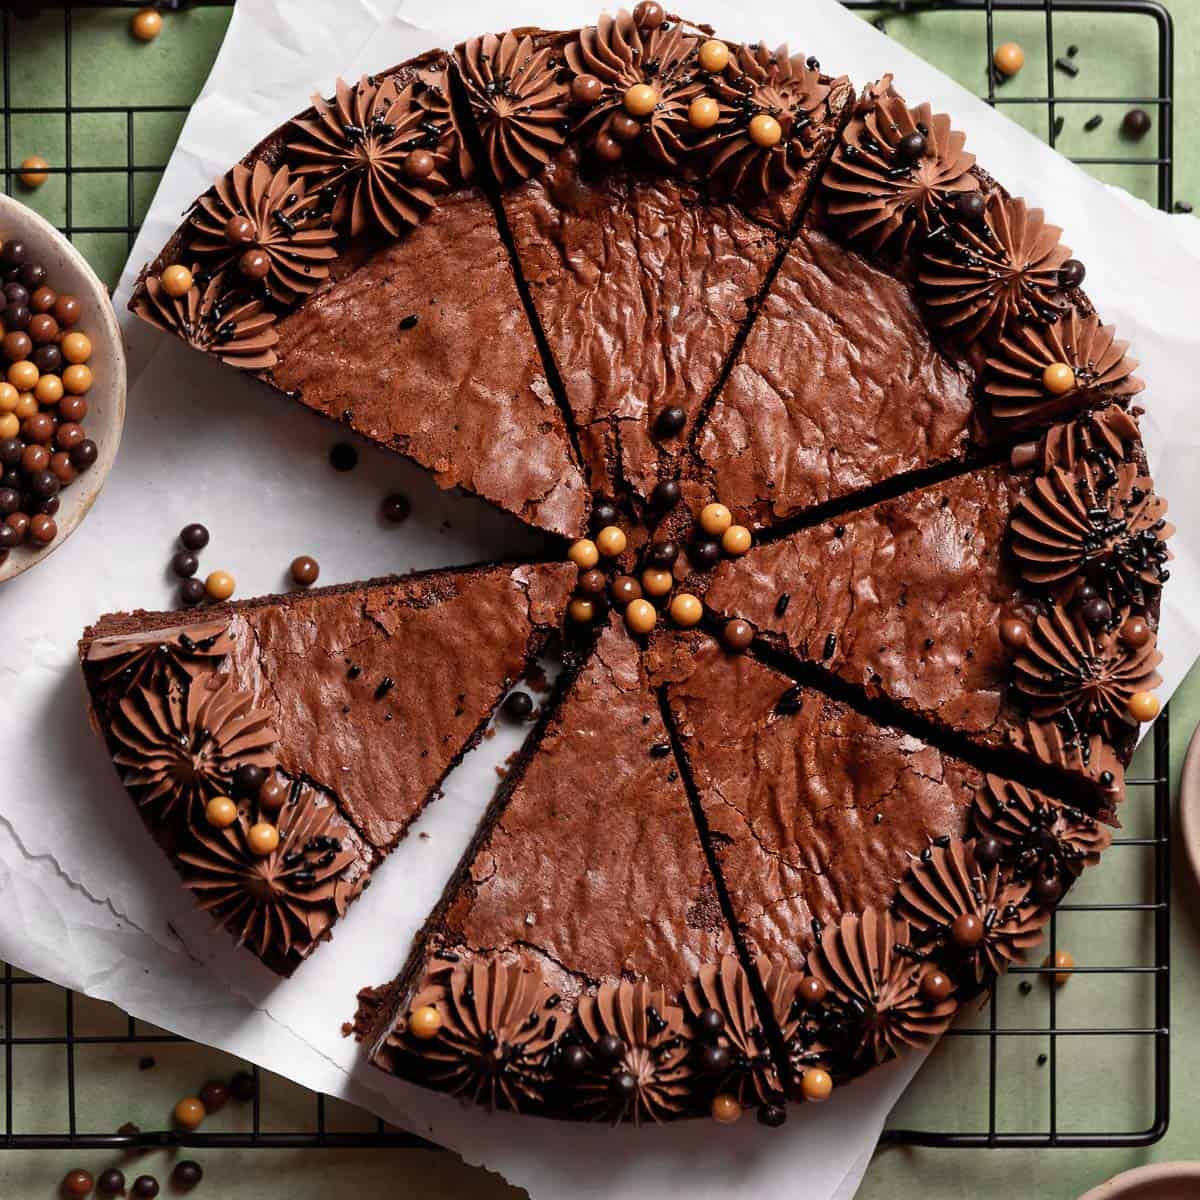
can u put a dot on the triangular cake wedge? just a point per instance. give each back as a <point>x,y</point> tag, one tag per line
<point>922,601</point>
<point>643,275</point>
<point>354,701</point>
<point>582,936</point>
<point>380,297</point>
<point>826,827</point>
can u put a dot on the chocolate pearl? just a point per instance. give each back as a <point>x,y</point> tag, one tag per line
<point>662,554</point>
<point>610,1046</point>
<point>16,316</point>
<point>48,359</point>
<point>145,1187</point>
<point>936,987</point>
<point>43,484</point>
<point>42,301</point>
<point>714,1060</point>
<point>343,457</point>
<point>665,495</point>
<point>624,127</point>
<point>72,408</point>
<point>1097,613</point>
<point>19,523</point>
<point>34,458</point>
<point>572,1059</point>
<point>710,1022</point>
<point>419,164</point>
<point>586,89</point>
<point>14,254</point>
<point>243,1086</point>
<point>33,275</point>
<point>14,293</point>
<point>606,148</point>
<point>17,346</point>
<point>214,1095</point>
<point>49,506</point>
<point>43,328</point>
<point>592,582</point>
<point>1136,124</point>
<point>912,146</point>
<point>39,428</point>
<point>971,206</point>
<point>77,1183</point>
<point>67,310</point>
<point>670,421</point>
<point>42,529</point>
<point>623,1084</point>
<point>187,1174</point>
<point>271,796</point>
<point>737,636</point>
<point>68,435</point>
<point>193,537</point>
<point>247,779</point>
<point>10,501</point>
<point>1135,631</point>
<point>255,264</point>
<point>61,468</point>
<point>1014,633</point>
<point>649,14</point>
<point>395,508</point>
<point>705,554</point>
<point>1047,888</point>
<point>812,991</point>
<point>84,455</point>
<point>772,1115</point>
<point>191,592</point>
<point>10,451</point>
<point>988,852</point>
<point>518,706</point>
<point>1086,592</point>
<point>239,230</point>
<point>305,570</point>
<point>967,930</point>
<point>1071,273</point>
<point>185,564</point>
<point>624,590</point>
<point>604,512</point>
<point>111,1182</point>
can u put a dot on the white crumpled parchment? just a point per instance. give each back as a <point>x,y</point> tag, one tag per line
<point>86,901</point>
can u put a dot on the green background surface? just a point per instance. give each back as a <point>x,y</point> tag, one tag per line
<point>1102,1083</point>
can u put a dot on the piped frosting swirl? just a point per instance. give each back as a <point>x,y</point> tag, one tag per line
<point>120,664</point>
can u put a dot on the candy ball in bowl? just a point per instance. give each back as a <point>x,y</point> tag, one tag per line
<point>62,388</point>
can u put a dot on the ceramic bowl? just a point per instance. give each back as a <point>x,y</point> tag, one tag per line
<point>67,271</point>
<point>1158,1181</point>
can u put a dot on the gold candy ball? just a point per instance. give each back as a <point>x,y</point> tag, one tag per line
<point>33,171</point>
<point>656,582</point>
<point>686,610</point>
<point>1063,962</point>
<point>765,131</point>
<point>424,1022</point>
<point>584,554</point>
<point>736,540</point>
<point>76,347</point>
<point>715,519</point>
<point>263,838</point>
<point>725,1108</point>
<point>9,425</point>
<point>816,1085</point>
<point>714,56</point>
<point>176,280</point>
<point>1144,706</point>
<point>189,1112</point>
<point>611,541</point>
<point>48,389</point>
<point>1009,58</point>
<point>640,100</point>
<point>1058,379</point>
<point>581,610</point>
<point>220,812</point>
<point>146,24</point>
<point>77,379</point>
<point>220,585</point>
<point>23,375</point>
<point>703,112</point>
<point>641,616</point>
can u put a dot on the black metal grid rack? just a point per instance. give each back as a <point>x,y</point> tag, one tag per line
<point>1151,790</point>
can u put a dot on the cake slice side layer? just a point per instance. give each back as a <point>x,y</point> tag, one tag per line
<point>362,697</point>
<point>589,898</point>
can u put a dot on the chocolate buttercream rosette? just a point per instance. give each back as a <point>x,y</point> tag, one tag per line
<point>120,665</point>
<point>895,171</point>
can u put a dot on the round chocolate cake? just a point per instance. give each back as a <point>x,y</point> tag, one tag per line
<point>852,559</point>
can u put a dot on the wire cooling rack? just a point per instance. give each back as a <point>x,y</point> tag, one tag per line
<point>54,1040</point>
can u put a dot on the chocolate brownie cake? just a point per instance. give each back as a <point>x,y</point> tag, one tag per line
<point>669,296</point>
<point>322,722</point>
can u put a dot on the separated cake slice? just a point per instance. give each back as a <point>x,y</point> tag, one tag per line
<point>579,965</point>
<point>833,833</point>
<point>278,748</point>
<point>351,262</point>
<point>1043,643</point>
<point>647,238</point>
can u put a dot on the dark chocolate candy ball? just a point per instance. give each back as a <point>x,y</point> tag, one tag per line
<point>715,1059</point>
<point>710,1022</point>
<point>663,554</point>
<point>665,495</point>
<point>971,206</point>
<point>77,1183</point>
<point>14,254</point>
<point>16,316</point>
<point>395,508</point>
<point>518,706</point>
<point>84,455</point>
<point>604,512</point>
<point>772,1115</point>
<point>33,275</point>
<point>670,421</point>
<point>145,1187</point>
<point>185,564</point>
<point>1097,612</point>
<point>1071,274</point>
<point>48,359</point>
<point>193,537</point>
<point>214,1095</point>
<point>988,852</point>
<point>110,1182</point>
<point>191,592</point>
<point>244,1086</point>
<point>705,553</point>
<point>572,1059</point>
<point>912,146</point>
<point>247,779</point>
<point>10,451</point>
<point>1136,124</point>
<point>610,1046</point>
<point>186,1175</point>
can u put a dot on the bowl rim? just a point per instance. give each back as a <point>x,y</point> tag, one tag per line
<point>22,559</point>
<point>1118,1185</point>
<point>1189,804</point>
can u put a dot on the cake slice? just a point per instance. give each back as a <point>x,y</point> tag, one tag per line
<point>567,966</point>
<point>643,273</point>
<point>351,261</point>
<point>326,720</point>
<point>826,826</point>
<point>1038,645</point>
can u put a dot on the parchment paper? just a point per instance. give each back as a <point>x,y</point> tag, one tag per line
<point>86,900</point>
